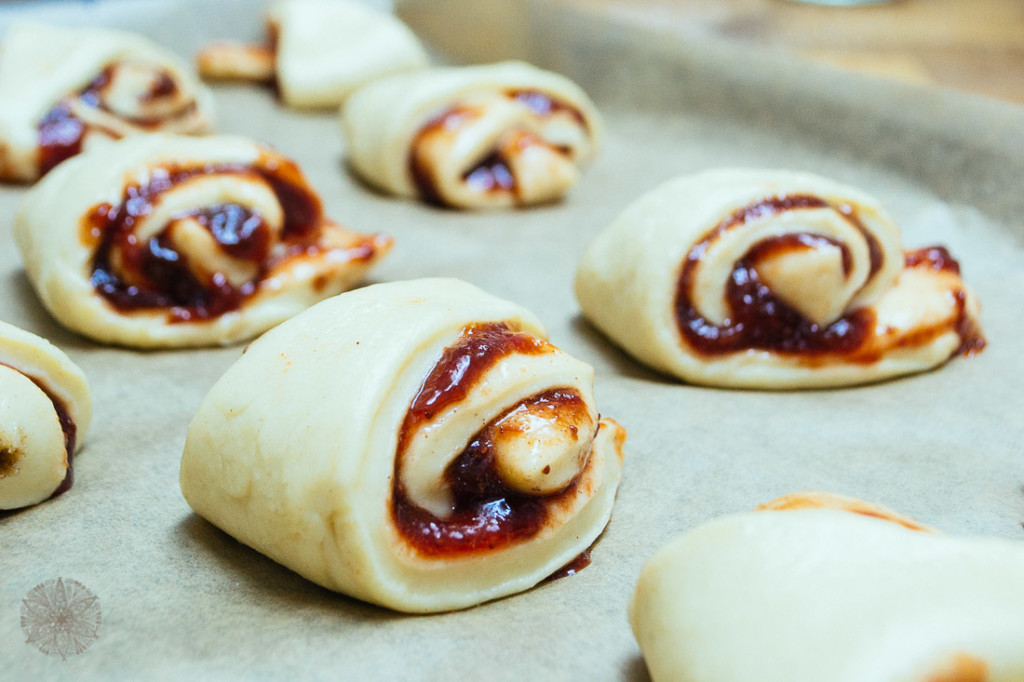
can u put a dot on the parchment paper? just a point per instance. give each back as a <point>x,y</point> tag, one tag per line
<point>180,599</point>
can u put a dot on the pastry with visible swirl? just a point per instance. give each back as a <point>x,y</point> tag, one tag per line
<point>486,136</point>
<point>68,89</point>
<point>420,445</point>
<point>817,587</point>
<point>163,240</point>
<point>319,51</point>
<point>45,410</point>
<point>773,279</point>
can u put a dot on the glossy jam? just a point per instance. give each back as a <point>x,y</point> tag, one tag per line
<point>160,276</point>
<point>490,175</point>
<point>493,172</point>
<point>61,133</point>
<point>935,258</point>
<point>938,259</point>
<point>67,426</point>
<point>420,169</point>
<point>758,319</point>
<point>239,231</point>
<point>581,561</point>
<point>487,514</point>
<point>478,348</point>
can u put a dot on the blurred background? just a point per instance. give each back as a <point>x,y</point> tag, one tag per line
<point>971,45</point>
<point>974,46</point>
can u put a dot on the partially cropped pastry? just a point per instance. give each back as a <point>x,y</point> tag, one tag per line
<point>773,279</point>
<point>318,51</point>
<point>420,445</point>
<point>486,136</point>
<point>817,587</point>
<point>163,240</point>
<point>44,412</point>
<point>68,89</point>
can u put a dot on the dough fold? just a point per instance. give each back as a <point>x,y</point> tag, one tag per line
<point>775,280</point>
<point>66,90</point>
<point>164,240</point>
<point>811,594</point>
<point>319,51</point>
<point>418,445</point>
<point>45,409</point>
<point>485,136</point>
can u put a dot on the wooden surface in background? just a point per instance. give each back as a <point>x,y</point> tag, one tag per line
<point>970,45</point>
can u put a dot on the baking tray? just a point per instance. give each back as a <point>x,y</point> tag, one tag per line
<point>179,598</point>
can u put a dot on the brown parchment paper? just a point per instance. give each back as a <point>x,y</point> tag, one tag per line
<point>180,599</point>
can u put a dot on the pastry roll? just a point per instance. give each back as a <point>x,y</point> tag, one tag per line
<point>472,137</point>
<point>813,594</point>
<point>163,240</point>
<point>419,445</point>
<point>44,413</point>
<point>68,89</point>
<point>319,51</point>
<point>775,280</point>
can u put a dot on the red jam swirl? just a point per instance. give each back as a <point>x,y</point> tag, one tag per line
<point>493,172</point>
<point>421,169</point>
<point>160,275</point>
<point>487,515</point>
<point>61,133</point>
<point>67,426</point>
<point>758,318</point>
<point>938,259</point>
<point>479,347</point>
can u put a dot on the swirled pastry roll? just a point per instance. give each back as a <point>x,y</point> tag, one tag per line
<point>45,410</point>
<point>813,594</point>
<point>773,279</point>
<point>167,240</point>
<point>472,137</point>
<point>420,445</point>
<point>68,89</point>
<point>319,51</point>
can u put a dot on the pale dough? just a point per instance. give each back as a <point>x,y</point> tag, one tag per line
<point>447,122</point>
<point>628,279</point>
<point>328,48</point>
<point>293,452</point>
<point>148,89</point>
<point>60,246</point>
<point>36,377</point>
<point>826,594</point>
<point>321,51</point>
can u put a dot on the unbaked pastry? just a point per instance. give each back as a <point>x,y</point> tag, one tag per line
<point>816,594</point>
<point>472,137</point>
<point>773,279</point>
<point>417,444</point>
<point>68,89</point>
<point>45,410</point>
<point>319,51</point>
<point>163,240</point>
